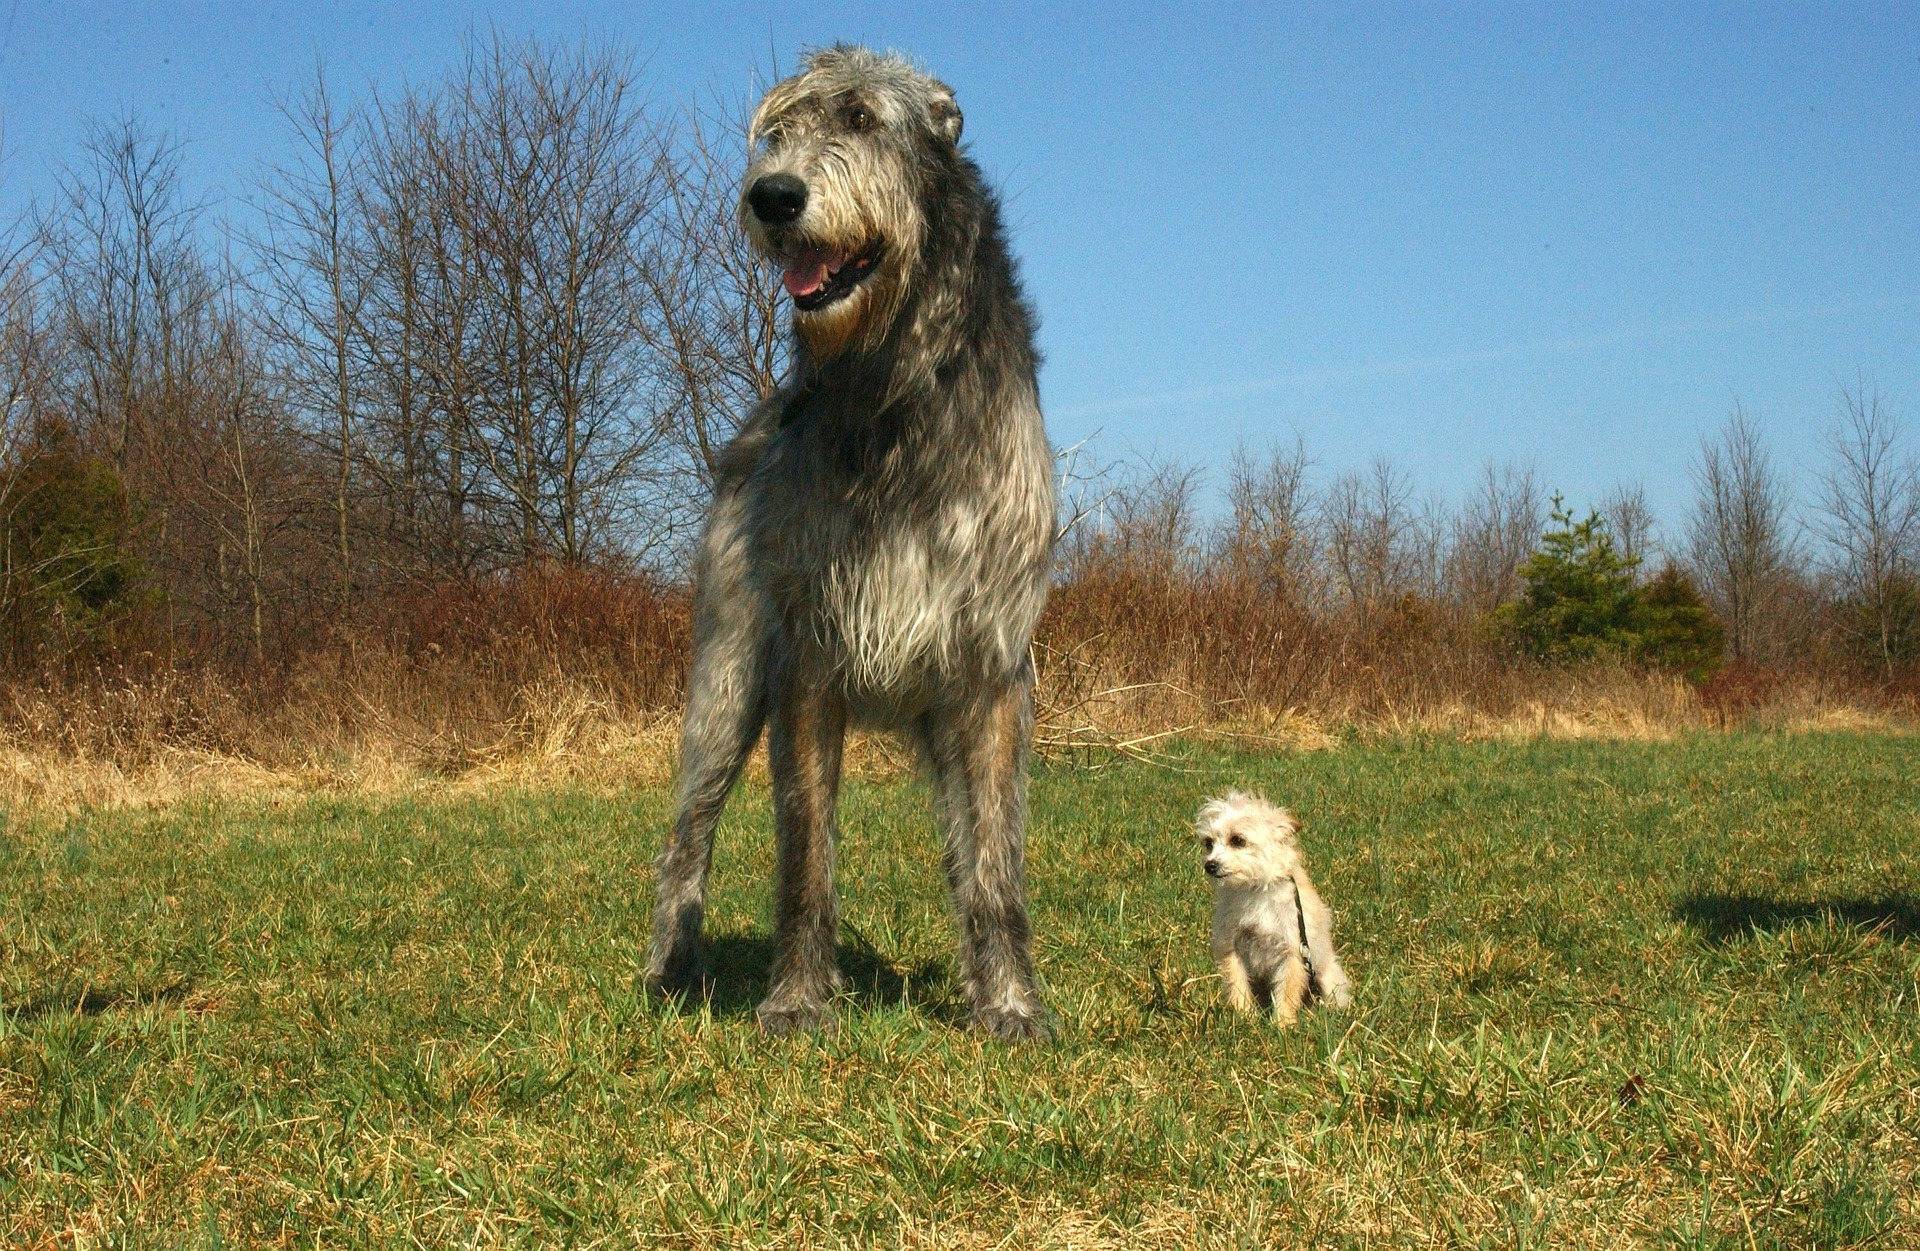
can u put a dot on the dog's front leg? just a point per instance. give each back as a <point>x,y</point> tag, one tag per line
<point>979,755</point>
<point>807,732</point>
<point>1239,987</point>
<point>1289,990</point>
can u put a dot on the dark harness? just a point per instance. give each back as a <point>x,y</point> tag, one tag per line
<point>1300,915</point>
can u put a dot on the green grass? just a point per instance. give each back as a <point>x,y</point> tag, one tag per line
<point>1607,995</point>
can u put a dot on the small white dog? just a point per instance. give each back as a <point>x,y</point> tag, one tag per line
<point>1272,936</point>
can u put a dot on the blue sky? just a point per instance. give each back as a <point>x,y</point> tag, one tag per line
<point>1501,234</point>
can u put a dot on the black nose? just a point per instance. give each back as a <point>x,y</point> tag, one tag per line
<point>777,199</point>
<point>1213,870</point>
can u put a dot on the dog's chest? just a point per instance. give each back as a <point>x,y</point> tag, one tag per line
<point>910,571</point>
<point>1261,926</point>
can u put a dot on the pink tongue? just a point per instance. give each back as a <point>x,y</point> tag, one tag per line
<point>805,276</point>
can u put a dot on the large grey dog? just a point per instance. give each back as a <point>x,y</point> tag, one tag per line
<point>880,537</point>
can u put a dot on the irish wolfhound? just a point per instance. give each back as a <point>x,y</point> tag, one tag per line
<point>878,546</point>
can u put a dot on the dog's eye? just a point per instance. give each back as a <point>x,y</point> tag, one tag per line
<point>860,119</point>
<point>1207,844</point>
<point>1236,841</point>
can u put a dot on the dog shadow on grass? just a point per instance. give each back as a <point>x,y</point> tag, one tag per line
<point>1726,918</point>
<point>92,1000</point>
<point>741,970</point>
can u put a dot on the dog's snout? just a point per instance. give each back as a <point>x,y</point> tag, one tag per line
<point>1213,868</point>
<point>777,199</point>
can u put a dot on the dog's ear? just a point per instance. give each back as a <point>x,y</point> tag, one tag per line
<point>945,109</point>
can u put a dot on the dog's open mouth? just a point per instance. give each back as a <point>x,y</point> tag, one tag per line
<point>817,278</point>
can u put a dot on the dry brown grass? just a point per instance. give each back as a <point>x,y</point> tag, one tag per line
<point>178,736</point>
<point>576,677</point>
<point>168,740</point>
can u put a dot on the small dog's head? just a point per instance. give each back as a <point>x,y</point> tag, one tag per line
<point>1248,841</point>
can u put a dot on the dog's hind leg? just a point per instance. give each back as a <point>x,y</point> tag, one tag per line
<point>720,729</point>
<point>956,852</point>
<point>726,707</point>
<point>979,754</point>
<point>1330,980</point>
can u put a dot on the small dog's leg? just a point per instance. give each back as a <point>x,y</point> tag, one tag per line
<point>1332,982</point>
<point>1233,974</point>
<point>1289,990</point>
<point>726,707</point>
<point>804,748</point>
<point>980,761</point>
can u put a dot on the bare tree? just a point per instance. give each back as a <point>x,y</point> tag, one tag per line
<point>1631,521</point>
<point>311,269</point>
<point>1085,485</point>
<point>123,256</point>
<point>1496,530</point>
<point>1430,548</point>
<point>1870,516</point>
<point>28,354</point>
<point>392,207</point>
<point>1738,538</point>
<point>710,309</point>
<point>423,331</point>
<point>1269,534</point>
<point>257,484</point>
<point>27,348</point>
<point>1371,525</point>
<point>1144,523</point>
<point>556,173</point>
<point>124,260</point>
<point>511,303</point>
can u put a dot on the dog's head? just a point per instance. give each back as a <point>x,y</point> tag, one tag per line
<point>1247,841</point>
<point>842,156</point>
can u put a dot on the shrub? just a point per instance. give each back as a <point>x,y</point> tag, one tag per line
<point>1674,627</point>
<point>1577,601</point>
<point>69,578</point>
<point>1883,630</point>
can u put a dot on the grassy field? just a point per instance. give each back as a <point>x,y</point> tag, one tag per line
<point>1609,994</point>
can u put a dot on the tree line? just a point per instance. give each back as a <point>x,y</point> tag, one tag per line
<point>1754,574</point>
<point>497,320</point>
<point>501,322</point>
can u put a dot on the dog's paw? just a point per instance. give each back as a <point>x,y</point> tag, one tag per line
<point>1339,995</point>
<point>681,974</point>
<point>790,1017</point>
<point>1029,1024</point>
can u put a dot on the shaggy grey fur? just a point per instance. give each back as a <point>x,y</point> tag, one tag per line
<point>879,543</point>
